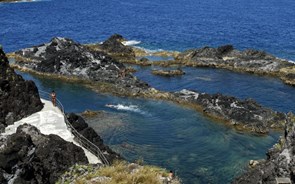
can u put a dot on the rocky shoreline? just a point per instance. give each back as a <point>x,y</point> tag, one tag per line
<point>89,133</point>
<point>225,57</point>
<point>66,59</point>
<point>29,156</point>
<point>280,161</point>
<point>18,98</point>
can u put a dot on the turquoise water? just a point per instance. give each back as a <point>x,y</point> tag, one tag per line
<point>200,150</point>
<point>165,134</point>
<point>268,91</point>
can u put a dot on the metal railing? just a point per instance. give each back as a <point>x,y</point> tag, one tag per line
<point>78,137</point>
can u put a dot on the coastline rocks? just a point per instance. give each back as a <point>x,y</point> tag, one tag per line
<point>168,73</point>
<point>18,98</point>
<point>31,157</point>
<point>280,161</point>
<point>64,57</point>
<point>114,47</point>
<point>82,127</point>
<point>242,114</point>
<point>227,57</point>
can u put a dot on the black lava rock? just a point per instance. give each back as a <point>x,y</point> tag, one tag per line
<point>31,157</point>
<point>18,98</point>
<point>247,114</point>
<point>81,126</point>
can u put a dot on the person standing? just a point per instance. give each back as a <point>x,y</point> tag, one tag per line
<point>53,98</point>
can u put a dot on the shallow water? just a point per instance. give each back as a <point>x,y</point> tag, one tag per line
<point>162,133</point>
<point>268,91</point>
<point>165,134</point>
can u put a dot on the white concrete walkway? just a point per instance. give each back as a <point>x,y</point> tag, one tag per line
<point>50,120</point>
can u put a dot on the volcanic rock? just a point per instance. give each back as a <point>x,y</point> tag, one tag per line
<point>89,133</point>
<point>280,161</point>
<point>227,57</point>
<point>168,73</point>
<point>28,156</point>
<point>64,57</point>
<point>243,114</point>
<point>18,98</point>
<point>114,46</point>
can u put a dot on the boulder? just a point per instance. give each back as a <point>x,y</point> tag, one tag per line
<point>28,156</point>
<point>18,98</point>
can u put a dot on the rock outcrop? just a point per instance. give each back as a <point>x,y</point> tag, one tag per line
<point>114,47</point>
<point>18,98</point>
<point>227,57</point>
<point>168,73</point>
<point>280,161</point>
<point>82,127</point>
<point>64,57</point>
<point>242,114</point>
<point>31,157</point>
<point>106,75</point>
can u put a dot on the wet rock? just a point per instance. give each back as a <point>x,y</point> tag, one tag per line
<point>31,157</point>
<point>144,59</point>
<point>280,161</point>
<point>243,114</point>
<point>168,73</point>
<point>18,98</point>
<point>82,127</point>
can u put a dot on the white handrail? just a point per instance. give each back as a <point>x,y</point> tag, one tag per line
<point>82,140</point>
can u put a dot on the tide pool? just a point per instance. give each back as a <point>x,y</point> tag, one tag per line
<point>164,134</point>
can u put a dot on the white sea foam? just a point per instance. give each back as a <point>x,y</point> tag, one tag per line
<point>290,61</point>
<point>132,108</point>
<point>131,42</point>
<point>149,50</point>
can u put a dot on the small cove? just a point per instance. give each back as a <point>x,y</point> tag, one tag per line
<point>162,133</point>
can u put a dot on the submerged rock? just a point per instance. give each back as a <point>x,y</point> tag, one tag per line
<point>18,98</point>
<point>280,161</point>
<point>28,156</point>
<point>243,114</point>
<point>168,73</point>
<point>82,127</point>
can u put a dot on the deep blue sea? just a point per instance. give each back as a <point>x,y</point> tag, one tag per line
<point>198,149</point>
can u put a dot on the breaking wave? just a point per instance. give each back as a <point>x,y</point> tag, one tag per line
<point>131,42</point>
<point>131,108</point>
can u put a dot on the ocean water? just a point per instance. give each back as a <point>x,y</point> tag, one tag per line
<point>167,24</point>
<point>162,133</point>
<point>198,149</point>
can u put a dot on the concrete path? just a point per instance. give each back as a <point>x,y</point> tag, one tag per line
<point>50,120</point>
